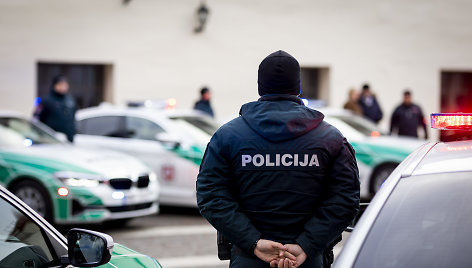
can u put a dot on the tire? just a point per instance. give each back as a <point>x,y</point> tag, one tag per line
<point>36,196</point>
<point>379,176</point>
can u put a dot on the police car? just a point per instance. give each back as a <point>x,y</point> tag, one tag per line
<point>170,142</point>
<point>67,184</point>
<point>421,216</point>
<point>377,153</point>
<point>27,240</point>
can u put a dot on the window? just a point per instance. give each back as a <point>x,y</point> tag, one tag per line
<point>110,126</point>
<point>143,129</point>
<point>22,242</point>
<point>425,223</point>
<point>315,83</point>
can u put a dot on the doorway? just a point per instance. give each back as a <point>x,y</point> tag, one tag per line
<point>456,96</point>
<point>89,83</point>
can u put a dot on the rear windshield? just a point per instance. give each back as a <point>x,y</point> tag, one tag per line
<point>425,223</point>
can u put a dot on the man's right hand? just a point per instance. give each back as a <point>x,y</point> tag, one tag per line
<point>294,250</point>
<point>269,251</point>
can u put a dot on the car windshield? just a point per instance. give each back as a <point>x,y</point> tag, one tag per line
<point>188,131</point>
<point>424,223</point>
<point>20,132</point>
<point>207,125</point>
<point>360,124</point>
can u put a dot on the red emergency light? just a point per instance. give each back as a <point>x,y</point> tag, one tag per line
<point>451,121</point>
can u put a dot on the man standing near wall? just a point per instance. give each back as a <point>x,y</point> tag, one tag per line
<point>278,182</point>
<point>58,109</point>
<point>407,117</point>
<point>204,103</point>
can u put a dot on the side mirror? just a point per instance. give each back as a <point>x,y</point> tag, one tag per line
<point>362,208</point>
<point>167,140</point>
<point>88,248</point>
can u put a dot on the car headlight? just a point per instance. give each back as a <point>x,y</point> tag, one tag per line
<point>76,179</point>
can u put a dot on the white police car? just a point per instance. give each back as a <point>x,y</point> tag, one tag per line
<point>67,184</point>
<point>421,217</point>
<point>171,143</point>
<point>377,153</point>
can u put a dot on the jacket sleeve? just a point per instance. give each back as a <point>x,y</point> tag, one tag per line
<point>338,207</point>
<point>217,204</point>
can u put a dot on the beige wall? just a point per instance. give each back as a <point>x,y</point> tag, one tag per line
<point>155,54</point>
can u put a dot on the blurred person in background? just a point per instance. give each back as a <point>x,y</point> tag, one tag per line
<point>279,182</point>
<point>407,117</point>
<point>370,107</point>
<point>204,103</point>
<point>57,110</point>
<point>352,102</point>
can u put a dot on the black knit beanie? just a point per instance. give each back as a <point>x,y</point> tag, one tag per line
<point>279,73</point>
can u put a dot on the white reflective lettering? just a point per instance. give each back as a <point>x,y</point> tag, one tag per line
<point>305,161</point>
<point>268,163</point>
<point>246,159</point>
<point>314,161</point>
<point>284,160</point>
<point>259,162</point>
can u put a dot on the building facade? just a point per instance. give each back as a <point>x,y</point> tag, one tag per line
<point>120,51</point>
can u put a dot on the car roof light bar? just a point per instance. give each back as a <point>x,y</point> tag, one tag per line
<point>456,121</point>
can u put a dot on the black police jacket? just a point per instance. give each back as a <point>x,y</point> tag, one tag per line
<point>279,172</point>
<point>58,112</point>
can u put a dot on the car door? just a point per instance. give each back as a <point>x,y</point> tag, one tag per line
<point>176,174</point>
<point>23,241</point>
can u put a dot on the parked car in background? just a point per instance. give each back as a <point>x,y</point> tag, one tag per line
<point>422,214</point>
<point>27,240</point>
<point>377,154</point>
<point>171,143</point>
<point>67,184</point>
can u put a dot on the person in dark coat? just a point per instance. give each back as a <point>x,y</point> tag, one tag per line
<point>279,182</point>
<point>407,117</point>
<point>57,110</point>
<point>370,107</point>
<point>204,103</point>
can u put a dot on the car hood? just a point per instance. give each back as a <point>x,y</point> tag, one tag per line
<point>60,157</point>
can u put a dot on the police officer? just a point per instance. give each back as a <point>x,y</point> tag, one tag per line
<point>58,109</point>
<point>278,182</point>
<point>407,117</point>
<point>204,103</point>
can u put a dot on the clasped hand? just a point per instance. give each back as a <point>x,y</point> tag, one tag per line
<point>278,255</point>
